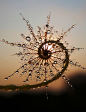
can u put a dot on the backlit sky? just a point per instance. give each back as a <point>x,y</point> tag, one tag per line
<point>64,13</point>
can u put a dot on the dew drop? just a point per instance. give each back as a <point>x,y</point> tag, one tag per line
<point>37,43</point>
<point>38,72</point>
<point>71,86</point>
<point>6,42</point>
<point>40,39</point>
<point>73,26</point>
<point>55,62</point>
<point>48,16</point>
<point>84,68</point>
<point>30,71</point>
<point>19,45</point>
<point>20,75</point>
<point>52,75</point>
<point>38,32</point>
<point>22,35</point>
<point>31,31</point>
<point>48,31</point>
<point>58,70</point>
<point>9,76</point>
<point>41,64</point>
<point>27,80</point>
<point>23,72</point>
<point>28,38</point>
<point>12,75</point>
<point>24,82</point>
<point>63,77</point>
<point>47,25</point>
<point>44,80</point>
<point>17,72</point>
<point>31,44</point>
<point>27,21</point>
<point>22,59</point>
<point>6,78</point>
<point>31,28</point>
<point>50,71</point>
<point>49,43</point>
<point>61,36</point>
<point>12,44</point>
<point>23,18</point>
<point>29,62</point>
<point>46,87</point>
<point>23,45</point>
<point>35,39</point>
<point>56,31</point>
<point>38,87</point>
<point>30,74</point>
<point>79,65</point>
<point>68,82</point>
<point>37,77</point>
<point>3,40</point>
<point>60,73</point>
<point>25,64</point>
<point>42,75</point>
<point>71,62</point>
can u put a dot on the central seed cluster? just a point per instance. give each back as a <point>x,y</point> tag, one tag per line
<point>44,53</point>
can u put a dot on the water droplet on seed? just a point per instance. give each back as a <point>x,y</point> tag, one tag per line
<point>44,80</point>
<point>3,40</point>
<point>20,75</point>
<point>30,74</point>
<point>73,26</point>
<point>6,78</point>
<point>23,18</point>
<point>24,82</point>
<point>28,38</point>
<point>38,32</point>
<point>22,35</point>
<point>31,28</point>
<point>47,25</point>
<point>48,16</point>
<point>64,77</point>
<point>31,31</point>
<point>37,43</point>
<point>31,44</point>
<point>27,80</point>
<point>30,71</point>
<point>55,62</point>
<point>46,87</point>
<point>27,21</point>
<point>84,68</point>
<point>9,76</point>
<point>48,31</point>
<point>6,42</point>
<point>19,45</point>
<point>17,72</point>
<point>12,44</point>
<point>40,39</point>
<point>23,45</point>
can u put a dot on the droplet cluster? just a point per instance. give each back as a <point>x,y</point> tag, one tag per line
<point>44,57</point>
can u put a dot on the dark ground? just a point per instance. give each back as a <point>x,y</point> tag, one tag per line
<point>69,102</point>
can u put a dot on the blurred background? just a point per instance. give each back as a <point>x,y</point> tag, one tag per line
<point>64,13</point>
